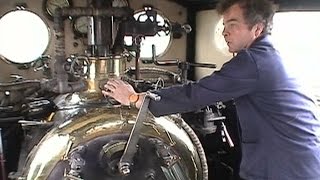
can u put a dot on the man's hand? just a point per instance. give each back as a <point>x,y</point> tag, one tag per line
<point>119,90</point>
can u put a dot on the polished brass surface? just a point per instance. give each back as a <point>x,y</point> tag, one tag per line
<point>99,70</point>
<point>98,122</point>
<point>102,68</point>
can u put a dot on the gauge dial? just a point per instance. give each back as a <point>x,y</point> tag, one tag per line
<point>51,5</point>
<point>120,3</point>
<point>80,25</point>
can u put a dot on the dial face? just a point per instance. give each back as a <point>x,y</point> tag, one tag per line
<point>120,3</point>
<point>52,5</point>
<point>81,25</point>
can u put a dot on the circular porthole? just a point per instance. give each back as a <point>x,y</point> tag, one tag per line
<point>24,36</point>
<point>161,40</point>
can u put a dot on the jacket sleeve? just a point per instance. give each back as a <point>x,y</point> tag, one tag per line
<point>236,78</point>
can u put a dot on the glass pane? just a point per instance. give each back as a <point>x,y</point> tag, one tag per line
<point>297,36</point>
<point>23,36</point>
<point>161,41</point>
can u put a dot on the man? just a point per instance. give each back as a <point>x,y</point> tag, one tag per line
<point>279,121</point>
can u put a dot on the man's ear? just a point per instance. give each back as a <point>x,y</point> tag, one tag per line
<point>258,29</point>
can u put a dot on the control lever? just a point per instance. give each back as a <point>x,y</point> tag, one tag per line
<point>211,128</point>
<point>224,132</point>
<point>182,65</point>
<point>225,135</point>
<point>131,147</point>
<point>175,62</point>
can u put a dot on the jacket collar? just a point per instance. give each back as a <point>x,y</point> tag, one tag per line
<point>264,40</point>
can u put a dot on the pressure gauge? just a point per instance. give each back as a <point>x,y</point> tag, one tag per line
<point>49,6</point>
<point>80,25</point>
<point>120,3</point>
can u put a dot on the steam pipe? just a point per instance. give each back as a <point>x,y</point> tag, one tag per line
<point>60,74</point>
<point>155,71</point>
<point>100,33</point>
<point>119,40</point>
<point>137,60</point>
<point>13,86</point>
<point>84,11</point>
<point>137,41</point>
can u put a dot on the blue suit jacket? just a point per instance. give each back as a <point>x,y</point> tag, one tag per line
<point>279,119</point>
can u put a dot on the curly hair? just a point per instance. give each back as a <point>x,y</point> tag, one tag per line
<point>254,11</point>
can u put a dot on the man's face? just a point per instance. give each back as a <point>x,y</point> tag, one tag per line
<point>236,32</point>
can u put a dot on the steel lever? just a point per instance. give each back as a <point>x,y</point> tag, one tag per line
<point>131,147</point>
<point>226,134</point>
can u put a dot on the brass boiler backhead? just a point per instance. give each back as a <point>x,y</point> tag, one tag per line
<point>88,145</point>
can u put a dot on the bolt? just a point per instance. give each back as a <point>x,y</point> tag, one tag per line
<point>150,175</point>
<point>124,169</point>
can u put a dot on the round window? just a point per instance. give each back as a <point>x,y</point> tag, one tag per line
<point>161,40</point>
<point>23,35</point>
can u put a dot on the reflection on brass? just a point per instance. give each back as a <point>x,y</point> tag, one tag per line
<point>50,117</point>
<point>99,122</point>
<point>99,71</point>
<point>111,149</point>
<point>87,117</point>
<point>102,68</point>
<point>172,143</point>
<point>153,127</point>
<point>65,156</point>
